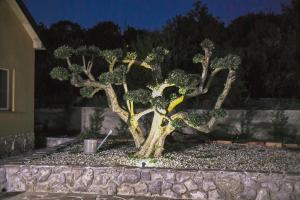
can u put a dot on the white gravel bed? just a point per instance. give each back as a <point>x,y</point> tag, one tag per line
<point>199,156</point>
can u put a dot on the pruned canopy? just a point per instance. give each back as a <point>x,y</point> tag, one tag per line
<point>165,119</point>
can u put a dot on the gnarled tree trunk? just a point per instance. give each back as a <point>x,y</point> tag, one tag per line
<point>113,103</point>
<point>154,144</point>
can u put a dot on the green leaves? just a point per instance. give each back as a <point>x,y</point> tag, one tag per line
<point>218,113</point>
<point>230,62</point>
<point>160,102</point>
<point>118,76</point>
<point>74,68</point>
<point>198,58</point>
<point>87,92</point>
<point>111,55</point>
<point>157,55</point>
<point>130,56</point>
<point>63,52</point>
<point>207,44</point>
<point>178,123</point>
<point>88,51</point>
<point>177,77</point>
<point>60,73</point>
<point>182,80</point>
<point>76,80</point>
<point>198,119</point>
<point>138,96</point>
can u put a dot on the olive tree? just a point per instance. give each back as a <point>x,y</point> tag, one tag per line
<point>159,103</point>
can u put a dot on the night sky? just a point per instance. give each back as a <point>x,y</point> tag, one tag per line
<point>147,14</point>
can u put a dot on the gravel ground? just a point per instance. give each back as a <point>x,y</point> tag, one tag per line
<point>184,156</point>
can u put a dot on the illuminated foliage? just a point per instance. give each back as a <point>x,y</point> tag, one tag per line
<point>88,51</point>
<point>160,102</point>
<point>63,52</point>
<point>178,123</point>
<point>138,96</point>
<point>230,61</point>
<point>157,55</point>
<point>60,73</point>
<point>207,44</point>
<point>112,55</point>
<point>74,68</point>
<point>118,76</point>
<point>131,56</point>
<point>182,80</point>
<point>86,92</point>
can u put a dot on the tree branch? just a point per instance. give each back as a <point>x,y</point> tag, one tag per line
<point>199,90</point>
<point>112,65</point>
<point>141,114</point>
<point>69,62</point>
<point>183,116</point>
<point>127,101</point>
<point>158,92</point>
<point>83,62</point>
<point>175,103</point>
<point>134,62</point>
<point>206,128</point>
<point>114,104</point>
<point>90,64</point>
<point>212,75</point>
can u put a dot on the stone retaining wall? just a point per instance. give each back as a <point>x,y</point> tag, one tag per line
<point>180,184</point>
<point>16,143</point>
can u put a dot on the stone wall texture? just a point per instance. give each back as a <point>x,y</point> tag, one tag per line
<point>170,183</point>
<point>16,144</point>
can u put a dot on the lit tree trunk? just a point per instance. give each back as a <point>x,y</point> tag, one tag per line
<point>154,144</point>
<point>148,147</point>
<point>136,132</point>
<point>159,147</point>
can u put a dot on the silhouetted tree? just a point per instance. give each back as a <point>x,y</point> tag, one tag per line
<point>47,91</point>
<point>106,35</point>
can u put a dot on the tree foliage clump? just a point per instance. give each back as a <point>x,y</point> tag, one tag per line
<point>163,104</point>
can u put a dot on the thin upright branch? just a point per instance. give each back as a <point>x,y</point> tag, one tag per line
<point>112,65</point>
<point>87,69</point>
<point>204,64</point>
<point>90,64</point>
<point>210,80</point>
<point>83,62</point>
<point>127,101</point>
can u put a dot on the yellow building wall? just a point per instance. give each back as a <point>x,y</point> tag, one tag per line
<point>17,53</point>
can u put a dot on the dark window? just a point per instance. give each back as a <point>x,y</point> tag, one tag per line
<point>3,89</point>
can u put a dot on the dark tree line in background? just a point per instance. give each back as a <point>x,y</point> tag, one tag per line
<point>268,44</point>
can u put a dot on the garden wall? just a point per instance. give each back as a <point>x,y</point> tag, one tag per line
<point>181,184</point>
<point>257,122</point>
<point>58,119</point>
<point>16,144</point>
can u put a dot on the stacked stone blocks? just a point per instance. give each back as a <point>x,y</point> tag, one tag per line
<point>170,183</point>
